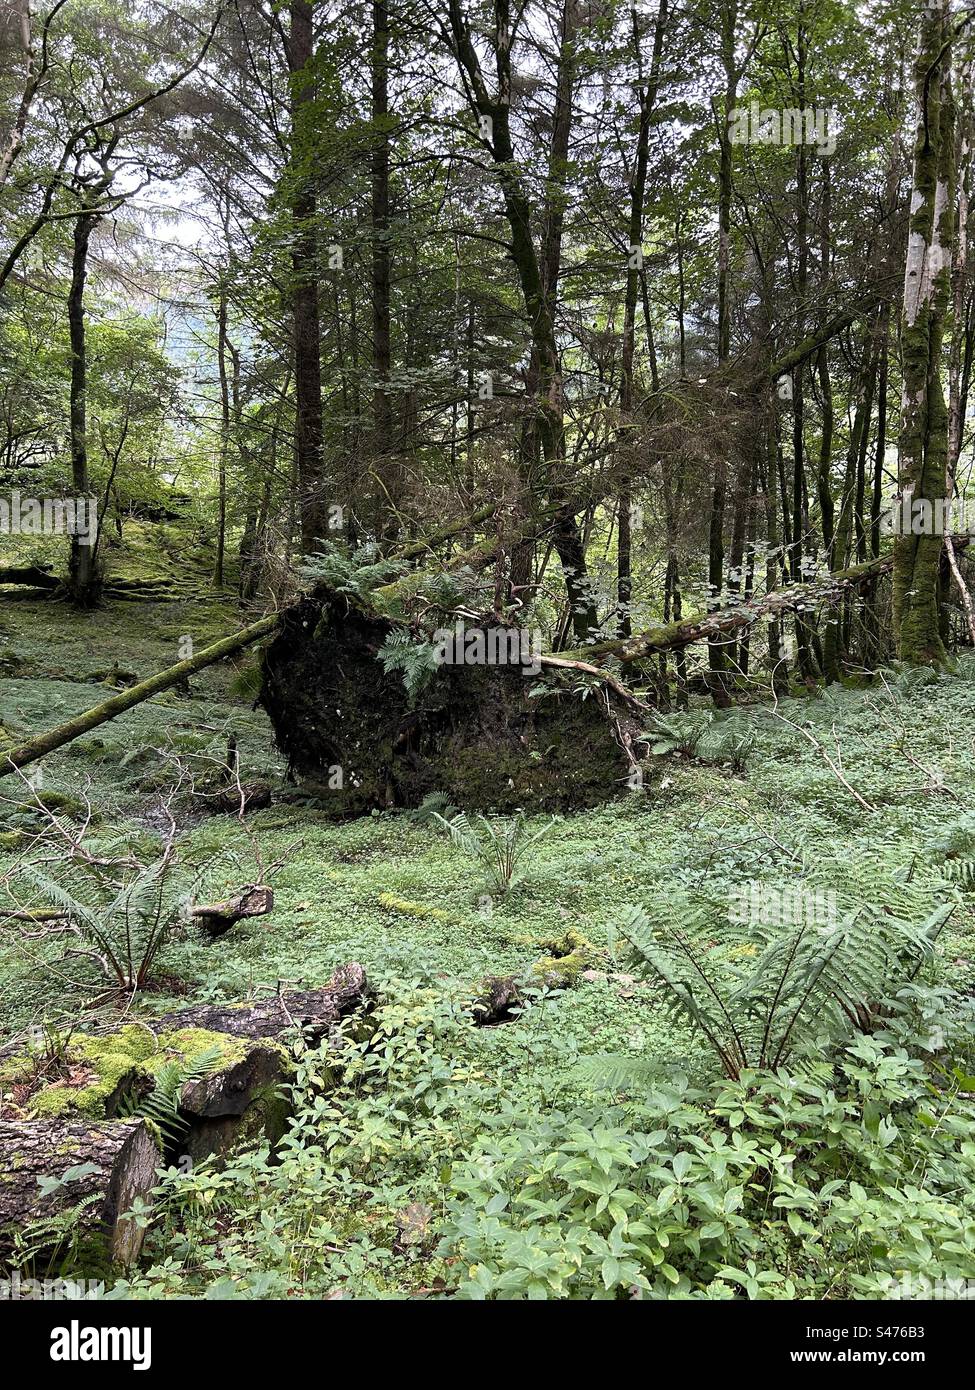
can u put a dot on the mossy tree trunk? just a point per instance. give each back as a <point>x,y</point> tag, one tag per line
<point>42,744</point>
<point>927,288</point>
<point>646,97</point>
<point>962,319</point>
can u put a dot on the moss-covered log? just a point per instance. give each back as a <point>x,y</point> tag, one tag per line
<point>230,1061</point>
<point>726,621</point>
<point>113,1162</point>
<point>39,747</point>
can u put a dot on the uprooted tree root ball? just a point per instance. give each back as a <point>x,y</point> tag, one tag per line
<point>484,735</point>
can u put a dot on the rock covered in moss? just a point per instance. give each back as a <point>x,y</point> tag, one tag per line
<point>570,955</point>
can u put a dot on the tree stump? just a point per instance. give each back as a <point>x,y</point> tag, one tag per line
<point>499,1002</point>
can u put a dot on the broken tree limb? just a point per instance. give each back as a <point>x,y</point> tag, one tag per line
<point>412,550</point>
<point>391,598</point>
<point>39,915</point>
<point>566,663</point>
<point>29,752</point>
<point>802,351</point>
<point>256,900</point>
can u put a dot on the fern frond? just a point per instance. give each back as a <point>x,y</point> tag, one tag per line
<point>161,1105</point>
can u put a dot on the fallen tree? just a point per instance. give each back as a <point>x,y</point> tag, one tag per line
<point>39,747</point>
<point>323,661</point>
<point>485,736</point>
<point>726,621</point>
<point>149,589</point>
<point>30,576</point>
<point>391,596</point>
<point>315,1013</point>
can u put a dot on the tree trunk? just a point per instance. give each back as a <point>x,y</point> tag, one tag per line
<point>634,267</point>
<point>218,575</point>
<point>39,747</point>
<point>312,501</point>
<point>383,445</point>
<point>83,579</point>
<point>732,74</point>
<point>960,356</point>
<point>124,1157</point>
<point>924,417</point>
<point>538,272</point>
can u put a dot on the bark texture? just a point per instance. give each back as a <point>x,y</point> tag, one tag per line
<point>315,1011</point>
<point>123,1156</point>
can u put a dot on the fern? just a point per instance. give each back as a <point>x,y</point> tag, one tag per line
<point>618,1072</point>
<point>125,913</point>
<point>954,847</point>
<point>434,806</point>
<point>355,572</point>
<point>416,660</point>
<point>499,846</point>
<point>757,992</point>
<point>700,736</point>
<point>161,1104</point>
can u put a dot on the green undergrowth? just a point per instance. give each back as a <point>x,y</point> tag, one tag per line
<point>436,1175</point>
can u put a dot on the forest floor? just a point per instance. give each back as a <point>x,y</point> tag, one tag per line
<point>871,808</point>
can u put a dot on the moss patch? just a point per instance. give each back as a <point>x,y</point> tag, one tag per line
<point>103,1070</point>
<point>569,955</point>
